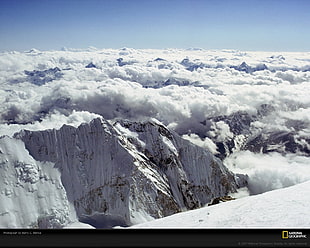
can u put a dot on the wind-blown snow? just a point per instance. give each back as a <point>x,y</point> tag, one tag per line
<point>282,208</point>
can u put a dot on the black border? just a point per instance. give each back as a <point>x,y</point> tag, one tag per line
<point>151,238</point>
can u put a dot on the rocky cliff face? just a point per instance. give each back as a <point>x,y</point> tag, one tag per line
<point>125,172</point>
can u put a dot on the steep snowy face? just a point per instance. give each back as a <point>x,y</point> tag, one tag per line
<point>194,175</point>
<point>128,172</point>
<point>95,168</point>
<point>31,192</point>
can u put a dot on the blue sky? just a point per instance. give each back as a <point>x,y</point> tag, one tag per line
<point>269,25</point>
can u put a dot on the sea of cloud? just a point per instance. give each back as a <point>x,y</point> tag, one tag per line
<point>184,89</point>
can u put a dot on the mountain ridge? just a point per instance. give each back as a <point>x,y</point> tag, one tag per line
<point>113,175</point>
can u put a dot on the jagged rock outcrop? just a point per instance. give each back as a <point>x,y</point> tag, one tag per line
<point>279,141</point>
<point>221,199</point>
<point>244,67</point>
<point>191,66</point>
<point>243,137</point>
<point>124,172</point>
<point>91,65</point>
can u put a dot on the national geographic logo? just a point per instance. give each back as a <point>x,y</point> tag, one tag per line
<point>293,235</point>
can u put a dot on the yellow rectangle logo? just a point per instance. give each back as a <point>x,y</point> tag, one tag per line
<point>284,234</point>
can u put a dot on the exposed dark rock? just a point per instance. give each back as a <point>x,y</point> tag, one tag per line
<point>91,65</point>
<point>278,141</point>
<point>218,200</point>
<point>42,77</point>
<point>248,69</point>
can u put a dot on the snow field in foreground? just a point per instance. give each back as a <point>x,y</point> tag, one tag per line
<point>282,208</point>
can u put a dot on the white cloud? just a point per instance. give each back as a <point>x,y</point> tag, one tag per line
<point>270,171</point>
<point>112,90</point>
<point>220,131</point>
<point>134,90</point>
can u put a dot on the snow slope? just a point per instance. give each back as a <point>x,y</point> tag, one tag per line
<point>281,208</point>
<point>32,194</point>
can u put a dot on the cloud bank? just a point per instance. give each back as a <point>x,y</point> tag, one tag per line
<point>270,171</point>
<point>251,104</point>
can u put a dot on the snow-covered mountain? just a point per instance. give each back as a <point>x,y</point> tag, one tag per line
<point>114,174</point>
